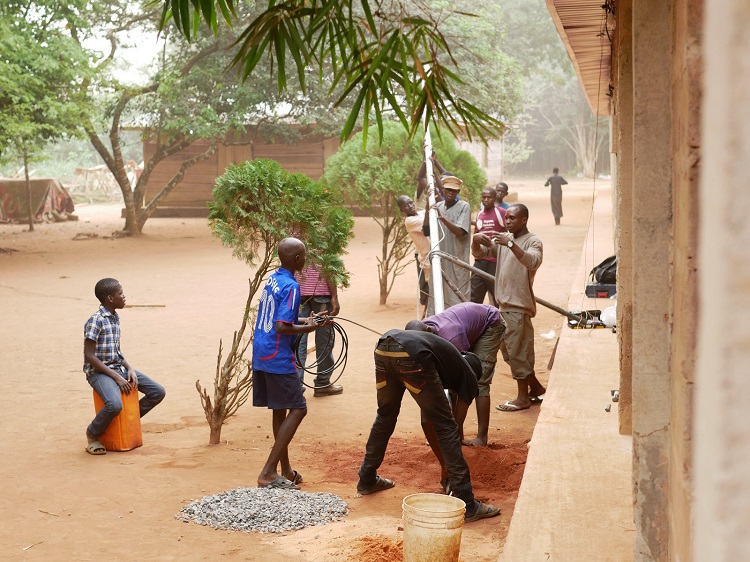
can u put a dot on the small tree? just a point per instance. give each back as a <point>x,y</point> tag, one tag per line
<point>373,176</point>
<point>39,101</point>
<point>255,206</point>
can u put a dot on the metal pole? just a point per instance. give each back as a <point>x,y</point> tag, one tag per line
<point>436,288</point>
<point>485,275</point>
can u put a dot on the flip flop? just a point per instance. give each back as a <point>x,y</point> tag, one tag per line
<point>297,478</point>
<point>536,399</point>
<point>280,483</point>
<point>508,407</point>
<point>380,485</point>
<point>96,448</point>
<point>483,511</point>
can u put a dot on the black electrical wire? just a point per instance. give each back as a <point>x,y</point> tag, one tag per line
<point>322,355</point>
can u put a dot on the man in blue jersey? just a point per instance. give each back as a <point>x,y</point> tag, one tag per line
<point>275,381</point>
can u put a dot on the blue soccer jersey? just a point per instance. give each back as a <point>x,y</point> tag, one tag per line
<point>274,352</point>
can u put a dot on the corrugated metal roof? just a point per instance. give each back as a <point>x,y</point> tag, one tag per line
<point>582,24</point>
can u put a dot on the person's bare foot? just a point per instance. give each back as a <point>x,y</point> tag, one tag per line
<point>294,477</point>
<point>90,438</point>
<point>266,479</point>
<point>476,442</point>
<point>536,389</point>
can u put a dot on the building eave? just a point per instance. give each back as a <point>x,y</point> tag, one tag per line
<point>585,29</point>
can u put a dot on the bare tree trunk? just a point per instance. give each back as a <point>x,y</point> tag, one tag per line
<point>383,267</point>
<point>215,437</point>
<point>395,248</point>
<point>28,188</point>
<point>131,218</point>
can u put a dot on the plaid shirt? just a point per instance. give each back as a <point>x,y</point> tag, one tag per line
<point>104,328</point>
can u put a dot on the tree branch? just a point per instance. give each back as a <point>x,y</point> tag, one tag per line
<point>176,179</point>
<point>199,56</point>
<point>88,127</point>
<point>161,153</point>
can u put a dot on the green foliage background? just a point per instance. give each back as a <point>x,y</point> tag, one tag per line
<point>257,204</point>
<point>374,175</point>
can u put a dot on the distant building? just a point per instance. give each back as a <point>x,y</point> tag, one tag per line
<point>308,156</point>
<point>191,196</point>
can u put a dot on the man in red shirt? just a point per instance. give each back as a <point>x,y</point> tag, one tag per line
<point>490,219</point>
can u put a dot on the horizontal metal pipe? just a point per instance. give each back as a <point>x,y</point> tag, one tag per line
<point>490,277</point>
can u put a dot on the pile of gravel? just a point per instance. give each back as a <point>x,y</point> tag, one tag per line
<point>264,510</point>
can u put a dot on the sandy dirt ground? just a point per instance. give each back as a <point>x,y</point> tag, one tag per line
<point>59,503</point>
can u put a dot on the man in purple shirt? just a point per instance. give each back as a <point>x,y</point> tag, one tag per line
<point>477,328</point>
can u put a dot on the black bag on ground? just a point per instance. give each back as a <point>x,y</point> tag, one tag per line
<point>605,272</point>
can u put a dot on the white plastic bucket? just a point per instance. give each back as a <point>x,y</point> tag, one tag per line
<point>432,527</point>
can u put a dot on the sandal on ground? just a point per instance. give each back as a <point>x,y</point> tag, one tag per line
<point>280,483</point>
<point>380,485</point>
<point>483,511</point>
<point>510,407</point>
<point>96,448</point>
<point>297,478</point>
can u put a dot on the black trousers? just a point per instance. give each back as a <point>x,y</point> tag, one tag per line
<point>395,372</point>
<point>480,286</point>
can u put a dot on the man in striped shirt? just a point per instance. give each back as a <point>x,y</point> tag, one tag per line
<point>321,297</point>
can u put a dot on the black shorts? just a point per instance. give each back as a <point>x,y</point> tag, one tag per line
<point>277,392</point>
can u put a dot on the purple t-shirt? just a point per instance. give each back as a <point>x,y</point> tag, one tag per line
<point>463,323</point>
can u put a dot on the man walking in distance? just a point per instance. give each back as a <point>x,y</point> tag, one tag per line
<point>413,221</point>
<point>426,365</point>
<point>477,328</point>
<point>321,297</point>
<point>519,257</point>
<point>455,218</point>
<point>490,219</point>
<point>556,182</point>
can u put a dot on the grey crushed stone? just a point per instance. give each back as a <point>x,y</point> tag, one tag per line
<point>264,510</point>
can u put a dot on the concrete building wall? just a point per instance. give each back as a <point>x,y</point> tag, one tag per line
<point>681,73</point>
<point>657,73</point>
<point>622,119</point>
<point>721,509</point>
<point>686,99</point>
<point>652,26</point>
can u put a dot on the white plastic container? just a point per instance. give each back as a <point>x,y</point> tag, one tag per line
<point>432,527</point>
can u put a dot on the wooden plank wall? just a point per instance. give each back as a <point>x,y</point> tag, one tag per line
<point>308,158</point>
<point>195,190</point>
